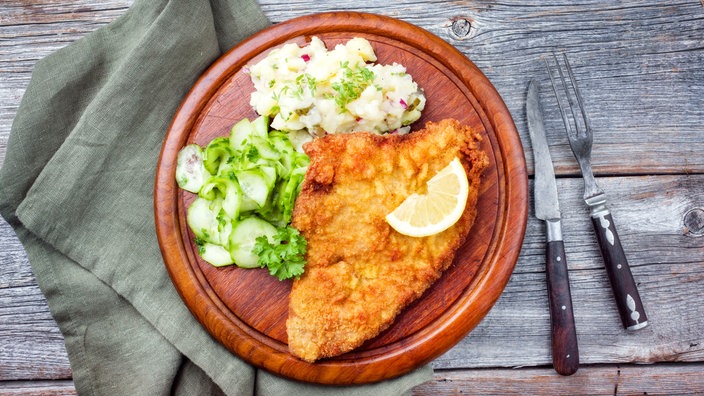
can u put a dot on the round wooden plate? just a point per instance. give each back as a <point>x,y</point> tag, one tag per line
<point>246,310</point>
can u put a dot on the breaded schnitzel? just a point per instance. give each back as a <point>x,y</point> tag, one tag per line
<point>360,273</point>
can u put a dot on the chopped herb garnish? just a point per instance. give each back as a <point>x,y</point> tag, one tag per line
<point>352,84</point>
<point>221,218</point>
<point>252,154</point>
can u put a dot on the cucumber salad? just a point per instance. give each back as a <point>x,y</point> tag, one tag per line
<point>246,186</point>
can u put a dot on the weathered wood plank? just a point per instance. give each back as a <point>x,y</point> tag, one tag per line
<point>31,345</point>
<point>591,380</point>
<point>37,388</point>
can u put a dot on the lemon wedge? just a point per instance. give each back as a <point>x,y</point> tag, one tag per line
<point>438,209</point>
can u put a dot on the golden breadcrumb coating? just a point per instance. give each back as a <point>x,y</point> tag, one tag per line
<point>360,273</point>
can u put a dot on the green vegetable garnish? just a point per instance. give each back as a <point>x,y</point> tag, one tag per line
<point>354,82</point>
<point>284,256</point>
<point>246,186</point>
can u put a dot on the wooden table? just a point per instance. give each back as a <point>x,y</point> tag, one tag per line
<point>640,65</point>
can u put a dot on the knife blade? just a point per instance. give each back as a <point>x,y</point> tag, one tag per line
<point>565,351</point>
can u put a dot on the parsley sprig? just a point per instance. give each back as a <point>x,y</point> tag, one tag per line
<point>284,256</point>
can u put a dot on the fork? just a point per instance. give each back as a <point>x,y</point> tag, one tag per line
<point>581,137</point>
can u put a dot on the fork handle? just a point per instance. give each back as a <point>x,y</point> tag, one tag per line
<point>623,285</point>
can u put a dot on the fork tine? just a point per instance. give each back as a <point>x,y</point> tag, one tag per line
<point>578,94</point>
<point>567,92</point>
<point>586,132</point>
<point>568,127</point>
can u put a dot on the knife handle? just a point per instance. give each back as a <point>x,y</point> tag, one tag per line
<point>628,301</point>
<point>565,352</point>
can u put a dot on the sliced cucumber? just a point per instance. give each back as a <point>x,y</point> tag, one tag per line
<point>290,192</point>
<point>224,230</point>
<point>287,153</point>
<point>212,188</point>
<point>247,184</point>
<point>240,133</point>
<point>265,149</point>
<point>261,126</point>
<point>243,131</point>
<point>270,174</point>
<point>226,188</point>
<point>216,152</point>
<point>202,218</point>
<point>280,141</point>
<point>256,184</point>
<point>243,238</point>
<point>215,254</point>
<point>190,171</point>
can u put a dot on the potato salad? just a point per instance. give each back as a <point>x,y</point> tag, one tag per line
<point>322,92</point>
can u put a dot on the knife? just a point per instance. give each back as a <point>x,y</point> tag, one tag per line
<point>565,352</point>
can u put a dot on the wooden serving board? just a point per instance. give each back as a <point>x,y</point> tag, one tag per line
<point>246,310</point>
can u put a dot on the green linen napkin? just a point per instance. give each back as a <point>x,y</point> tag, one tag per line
<point>77,187</point>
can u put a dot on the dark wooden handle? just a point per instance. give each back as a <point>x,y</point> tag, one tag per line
<point>623,285</point>
<point>565,352</point>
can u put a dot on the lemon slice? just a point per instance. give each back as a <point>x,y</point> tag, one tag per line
<point>438,209</point>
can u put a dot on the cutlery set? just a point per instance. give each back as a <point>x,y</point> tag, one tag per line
<point>565,349</point>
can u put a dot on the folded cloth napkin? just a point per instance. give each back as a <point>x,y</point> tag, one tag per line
<point>77,187</point>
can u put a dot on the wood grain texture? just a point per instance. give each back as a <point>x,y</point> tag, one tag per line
<point>31,345</point>
<point>37,388</point>
<point>639,67</point>
<point>613,380</point>
<point>222,299</point>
